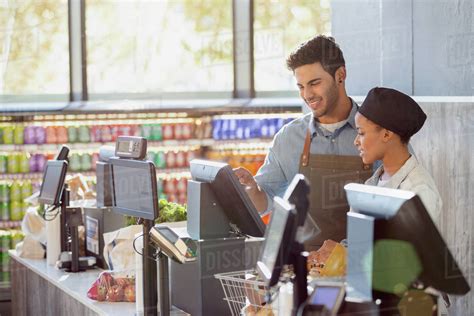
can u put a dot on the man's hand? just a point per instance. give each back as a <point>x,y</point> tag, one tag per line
<point>246,178</point>
<point>257,196</point>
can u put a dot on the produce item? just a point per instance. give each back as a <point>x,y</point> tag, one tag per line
<point>129,294</point>
<point>115,293</point>
<point>112,288</point>
<point>101,293</point>
<point>171,212</point>
<point>336,263</point>
<point>330,260</point>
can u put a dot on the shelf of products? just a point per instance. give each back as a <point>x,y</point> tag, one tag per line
<point>174,139</point>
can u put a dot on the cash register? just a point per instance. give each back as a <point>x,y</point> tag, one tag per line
<point>397,259</point>
<point>227,232</point>
<point>54,192</point>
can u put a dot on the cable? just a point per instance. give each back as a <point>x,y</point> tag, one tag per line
<point>51,217</point>
<point>141,254</point>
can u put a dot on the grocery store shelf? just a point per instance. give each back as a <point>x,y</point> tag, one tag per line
<point>161,173</point>
<point>185,143</point>
<point>21,176</point>
<point>9,224</point>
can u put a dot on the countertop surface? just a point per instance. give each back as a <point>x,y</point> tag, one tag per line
<point>77,285</point>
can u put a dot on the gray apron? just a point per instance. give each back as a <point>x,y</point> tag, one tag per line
<point>328,204</point>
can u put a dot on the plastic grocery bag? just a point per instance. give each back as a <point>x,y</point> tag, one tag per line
<point>30,248</point>
<point>33,225</point>
<point>34,228</point>
<point>118,248</point>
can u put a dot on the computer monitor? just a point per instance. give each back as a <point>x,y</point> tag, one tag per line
<point>279,238</point>
<point>53,182</point>
<point>230,194</point>
<point>297,194</point>
<point>399,215</point>
<point>135,191</point>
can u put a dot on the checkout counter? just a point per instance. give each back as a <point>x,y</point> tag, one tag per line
<point>221,219</point>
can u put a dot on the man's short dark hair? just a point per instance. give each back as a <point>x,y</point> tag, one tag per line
<point>322,49</point>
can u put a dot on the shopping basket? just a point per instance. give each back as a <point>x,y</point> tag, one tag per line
<point>243,289</point>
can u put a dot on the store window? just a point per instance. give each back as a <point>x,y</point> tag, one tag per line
<point>279,27</point>
<point>159,48</point>
<point>34,52</point>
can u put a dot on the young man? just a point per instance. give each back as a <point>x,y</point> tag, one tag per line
<point>385,122</point>
<point>319,144</point>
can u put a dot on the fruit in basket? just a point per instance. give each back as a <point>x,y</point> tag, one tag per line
<point>129,293</point>
<point>115,293</point>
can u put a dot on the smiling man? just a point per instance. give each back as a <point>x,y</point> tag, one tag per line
<point>318,144</point>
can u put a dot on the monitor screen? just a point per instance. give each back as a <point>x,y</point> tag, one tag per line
<point>297,194</point>
<point>278,240</point>
<point>329,296</point>
<point>53,182</point>
<point>400,216</point>
<point>230,194</point>
<point>134,188</point>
